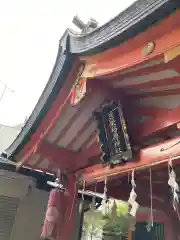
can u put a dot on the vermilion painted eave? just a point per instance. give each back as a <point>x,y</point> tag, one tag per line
<point>165,35</point>
<point>148,157</point>
<point>49,121</point>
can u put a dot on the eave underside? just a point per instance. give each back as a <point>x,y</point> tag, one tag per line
<point>67,137</point>
<point>128,24</point>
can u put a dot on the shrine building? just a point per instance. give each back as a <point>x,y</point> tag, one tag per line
<point>108,121</point>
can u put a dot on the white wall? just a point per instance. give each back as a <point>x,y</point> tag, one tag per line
<point>7,136</point>
<point>30,217</point>
<point>32,205</point>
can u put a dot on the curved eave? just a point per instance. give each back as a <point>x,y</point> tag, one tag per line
<point>62,66</point>
<point>138,17</point>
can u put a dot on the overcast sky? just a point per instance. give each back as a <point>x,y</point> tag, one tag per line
<point>29,34</point>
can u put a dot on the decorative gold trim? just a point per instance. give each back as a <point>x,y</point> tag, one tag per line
<point>148,49</point>
<point>89,71</point>
<point>171,54</point>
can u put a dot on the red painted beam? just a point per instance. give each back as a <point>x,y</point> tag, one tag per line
<point>165,35</point>
<point>150,111</point>
<point>161,120</point>
<point>61,157</point>
<point>149,156</point>
<point>84,157</point>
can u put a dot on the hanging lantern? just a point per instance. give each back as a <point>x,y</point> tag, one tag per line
<point>113,136</point>
<point>53,219</point>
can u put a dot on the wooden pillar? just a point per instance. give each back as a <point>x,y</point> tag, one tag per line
<point>130,235</point>
<point>69,211</point>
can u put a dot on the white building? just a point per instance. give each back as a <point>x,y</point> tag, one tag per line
<point>22,203</point>
<point>8,135</point>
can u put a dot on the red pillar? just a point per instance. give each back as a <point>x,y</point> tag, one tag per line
<point>66,232</point>
<point>54,218</point>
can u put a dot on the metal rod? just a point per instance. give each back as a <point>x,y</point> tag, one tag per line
<point>95,194</point>
<point>56,185</point>
<point>83,192</point>
<point>91,193</point>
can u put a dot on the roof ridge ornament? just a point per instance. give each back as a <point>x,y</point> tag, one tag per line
<point>85,27</point>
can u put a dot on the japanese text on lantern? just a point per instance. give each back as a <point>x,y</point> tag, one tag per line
<point>114,132</point>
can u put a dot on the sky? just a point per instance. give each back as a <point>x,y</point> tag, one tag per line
<point>29,35</point>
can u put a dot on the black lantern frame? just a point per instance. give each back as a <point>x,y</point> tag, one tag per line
<point>113,135</point>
